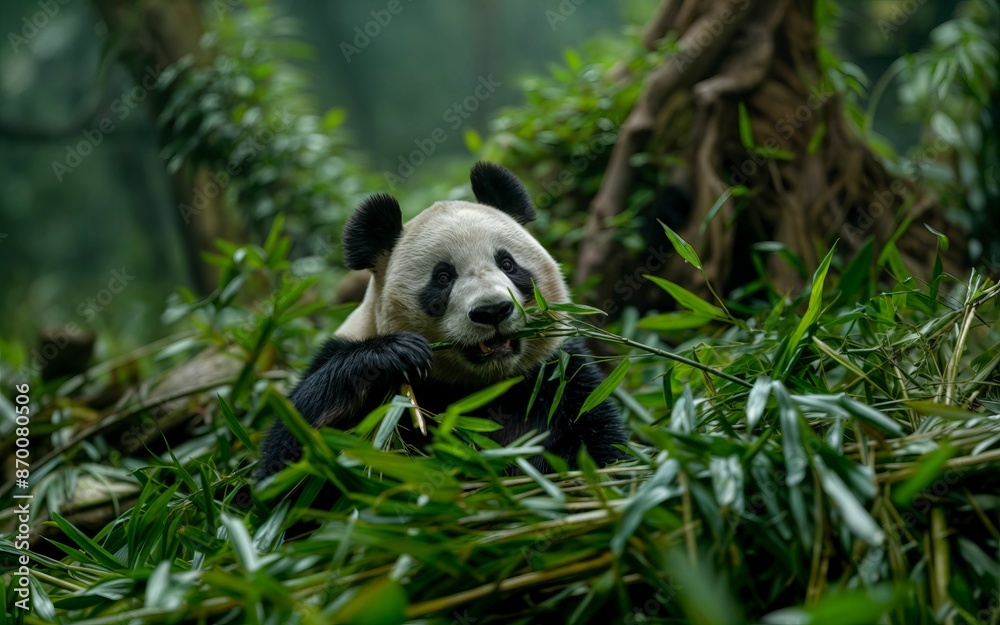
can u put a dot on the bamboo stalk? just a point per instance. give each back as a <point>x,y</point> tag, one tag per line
<point>507,585</point>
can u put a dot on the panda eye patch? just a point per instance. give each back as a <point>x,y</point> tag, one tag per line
<point>506,262</point>
<point>517,274</point>
<point>443,274</point>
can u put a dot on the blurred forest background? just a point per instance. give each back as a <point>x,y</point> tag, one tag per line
<point>68,229</point>
<point>67,233</point>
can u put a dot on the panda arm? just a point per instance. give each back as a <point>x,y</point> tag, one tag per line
<point>346,380</point>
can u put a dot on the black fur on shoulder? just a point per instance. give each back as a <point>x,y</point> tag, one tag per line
<point>494,185</point>
<point>372,230</point>
<point>346,380</point>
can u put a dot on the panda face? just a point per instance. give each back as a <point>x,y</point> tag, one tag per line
<point>452,274</point>
<point>453,277</point>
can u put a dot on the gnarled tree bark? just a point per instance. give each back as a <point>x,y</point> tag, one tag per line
<point>761,54</point>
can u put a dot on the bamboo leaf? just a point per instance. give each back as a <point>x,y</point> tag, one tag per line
<point>854,514</point>
<point>689,300</point>
<point>812,313</point>
<point>674,321</point>
<point>757,401</point>
<point>98,553</point>
<point>242,544</point>
<point>605,388</point>
<point>682,247</point>
<point>234,425</point>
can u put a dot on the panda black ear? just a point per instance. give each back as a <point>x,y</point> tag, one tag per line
<point>372,230</point>
<point>494,185</point>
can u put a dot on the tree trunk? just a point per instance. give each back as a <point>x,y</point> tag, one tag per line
<point>151,36</point>
<point>815,183</point>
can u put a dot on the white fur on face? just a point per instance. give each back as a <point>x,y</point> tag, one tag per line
<point>467,236</point>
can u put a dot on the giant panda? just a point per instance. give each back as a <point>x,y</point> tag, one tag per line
<point>448,276</point>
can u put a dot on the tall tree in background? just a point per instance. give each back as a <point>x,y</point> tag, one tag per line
<point>749,105</point>
<point>151,37</point>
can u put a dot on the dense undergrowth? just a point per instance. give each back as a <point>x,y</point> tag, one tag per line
<point>830,457</point>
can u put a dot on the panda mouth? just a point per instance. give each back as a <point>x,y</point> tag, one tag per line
<point>493,348</point>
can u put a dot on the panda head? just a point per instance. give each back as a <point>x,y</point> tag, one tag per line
<point>450,272</point>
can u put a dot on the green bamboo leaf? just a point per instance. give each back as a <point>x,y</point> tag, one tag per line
<point>475,424</point>
<point>657,489</point>
<point>234,424</point>
<point>483,397</point>
<point>387,425</point>
<point>689,300</point>
<point>673,321</point>
<point>425,474</point>
<point>812,313</point>
<point>264,539</point>
<point>380,602</point>
<point>605,388</point>
<point>683,417</point>
<point>99,554</point>
<point>242,544</point>
<point>796,460</point>
<point>473,141</point>
<point>933,408</point>
<point>928,469</point>
<point>941,237</point>
<point>160,592</point>
<point>854,514</point>
<point>869,415</point>
<point>855,279</point>
<point>757,401</point>
<point>682,247</point>
<point>710,215</point>
<point>550,489</point>
<point>557,398</point>
<point>727,480</point>
<point>577,309</point>
<point>746,129</point>
<point>312,441</point>
<point>539,380</point>
<point>668,390</point>
<point>517,304</point>
<point>539,298</point>
<point>41,604</point>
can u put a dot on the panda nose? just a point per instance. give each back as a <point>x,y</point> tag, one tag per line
<point>493,314</point>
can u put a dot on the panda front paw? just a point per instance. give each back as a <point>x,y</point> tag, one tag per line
<point>403,357</point>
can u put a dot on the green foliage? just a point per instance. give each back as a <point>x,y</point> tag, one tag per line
<point>851,483</point>
<point>951,89</point>
<point>244,115</point>
<point>561,139</point>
